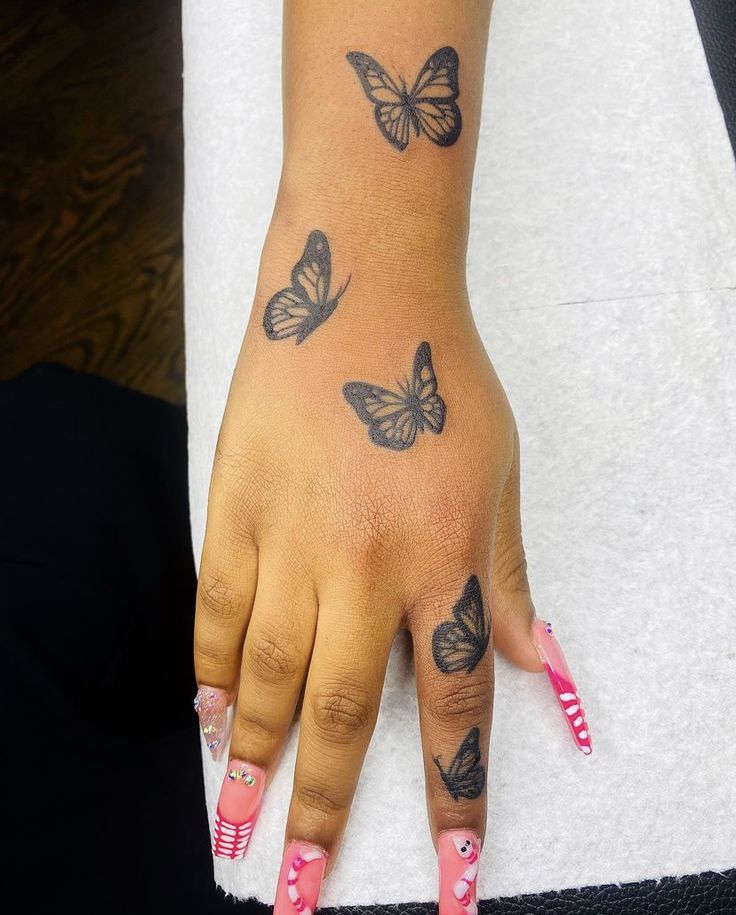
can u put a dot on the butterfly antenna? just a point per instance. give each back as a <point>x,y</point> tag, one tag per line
<point>342,289</point>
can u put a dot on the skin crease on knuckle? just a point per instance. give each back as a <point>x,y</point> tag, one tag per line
<point>213,663</point>
<point>218,595</point>
<point>342,711</point>
<point>320,801</point>
<point>458,703</point>
<point>251,730</point>
<point>271,658</point>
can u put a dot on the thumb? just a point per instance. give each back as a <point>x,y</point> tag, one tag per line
<point>513,609</point>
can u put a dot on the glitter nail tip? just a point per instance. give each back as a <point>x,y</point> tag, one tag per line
<point>237,809</point>
<point>210,704</point>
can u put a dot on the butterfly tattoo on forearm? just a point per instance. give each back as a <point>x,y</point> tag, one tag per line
<point>430,107</point>
<point>460,643</point>
<point>300,308</point>
<point>465,776</point>
<point>394,417</point>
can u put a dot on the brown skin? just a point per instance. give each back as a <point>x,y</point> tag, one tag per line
<point>320,546</point>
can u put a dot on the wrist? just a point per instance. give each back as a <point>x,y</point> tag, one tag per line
<point>391,248</point>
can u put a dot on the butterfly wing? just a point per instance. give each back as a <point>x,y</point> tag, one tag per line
<point>288,315</point>
<point>312,274</point>
<point>465,776</point>
<point>391,109</point>
<point>390,420</point>
<point>459,644</point>
<point>433,98</point>
<point>469,612</point>
<point>424,387</point>
<point>455,648</point>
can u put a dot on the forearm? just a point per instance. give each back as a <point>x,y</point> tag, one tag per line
<point>399,216</point>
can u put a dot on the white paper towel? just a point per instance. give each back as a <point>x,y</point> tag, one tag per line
<point>602,274</point>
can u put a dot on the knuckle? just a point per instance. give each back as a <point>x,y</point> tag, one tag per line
<point>253,726</point>
<point>217,595</point>
<point>271,658</point>
<point>210,653</point>
<point>374,525</point>
<point>342,712</point>
<point>318,800</point>
<point>469,701</point>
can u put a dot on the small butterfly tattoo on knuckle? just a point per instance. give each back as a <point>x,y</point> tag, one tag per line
<point>429,108</point>
<point>465,776</point>
<point>459,644</point>
<point>301,308</point>
<point>395,417</point>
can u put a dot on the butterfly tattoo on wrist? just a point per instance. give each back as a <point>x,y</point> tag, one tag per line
<point>465,776</point>
<point>300,308</point>
<point>460,643</point>
<point>430,107</point>
<point>394,417</point>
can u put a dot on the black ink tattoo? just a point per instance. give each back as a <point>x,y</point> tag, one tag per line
<point>394,418</point>
<point>465,776</point>
<point>430,108</point>
<point>459,644</point>
<point>303,306</point>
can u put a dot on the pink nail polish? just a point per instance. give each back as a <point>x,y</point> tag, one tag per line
<point>300,879</point>
<point>210,704</point>
<point>562,683</point>
<point>237,809</point>
<point>457,853</point>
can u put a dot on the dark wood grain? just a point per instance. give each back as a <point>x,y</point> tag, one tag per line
<point>91,176</point>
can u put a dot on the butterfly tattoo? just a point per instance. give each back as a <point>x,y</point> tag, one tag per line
<point>303,306</point>
<point>465,776</point>
<point>430,107</point>
<point>460,643</point>
<point>394,417</point>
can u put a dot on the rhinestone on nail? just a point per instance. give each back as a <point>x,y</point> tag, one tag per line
<point>242,775</point>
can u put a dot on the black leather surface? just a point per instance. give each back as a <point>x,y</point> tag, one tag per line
<point>717,23</point>
<point>699,894</point>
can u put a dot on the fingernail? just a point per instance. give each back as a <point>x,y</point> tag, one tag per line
<point>300,879</point>
<point>237,809</point>
<point>210,704</point>
<point>562,683</point>
<point>457,854</point>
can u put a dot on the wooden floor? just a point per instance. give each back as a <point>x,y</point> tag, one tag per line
<point>91,177</point>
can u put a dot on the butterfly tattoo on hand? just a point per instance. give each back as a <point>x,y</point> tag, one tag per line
<point>394,417</point>
<point>300,309</point>
<point>465,776</point>
<point>459,644</point>
<point>430,107</point>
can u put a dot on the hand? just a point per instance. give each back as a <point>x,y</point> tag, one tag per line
<point>321,544</point>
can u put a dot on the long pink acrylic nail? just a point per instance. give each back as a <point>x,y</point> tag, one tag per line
<point>300,879</point>
<point>562,683</point>
<point>458,852</point>
<point>237,809</point>
<point>210,704</point>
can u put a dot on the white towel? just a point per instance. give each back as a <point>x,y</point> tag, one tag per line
<point>602,274</point>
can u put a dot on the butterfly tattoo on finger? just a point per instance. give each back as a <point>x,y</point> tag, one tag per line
<point>302,307</point>
<point>460,643</point>
<point>429,108</point>
<point>465,776</point>
<point>394,417</point>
